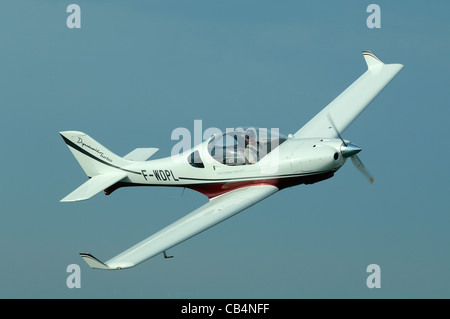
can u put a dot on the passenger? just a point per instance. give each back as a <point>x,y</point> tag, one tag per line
<point>250,150</point>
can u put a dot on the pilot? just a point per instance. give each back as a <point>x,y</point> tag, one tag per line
<point>250,150</point>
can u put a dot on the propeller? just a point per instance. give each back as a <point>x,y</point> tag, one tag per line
<point>360,166</point>
<point>350,150</point>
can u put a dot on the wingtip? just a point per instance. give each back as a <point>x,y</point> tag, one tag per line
<point>371,59</point>
<point>94,262</point>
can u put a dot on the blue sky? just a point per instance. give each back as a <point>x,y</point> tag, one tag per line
<point>137,70</point>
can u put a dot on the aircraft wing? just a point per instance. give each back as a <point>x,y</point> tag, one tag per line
<point>349,104</point>
<point>215,211</point>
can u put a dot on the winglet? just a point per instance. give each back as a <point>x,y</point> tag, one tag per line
<point>371,59</point>
<point>94,262</point>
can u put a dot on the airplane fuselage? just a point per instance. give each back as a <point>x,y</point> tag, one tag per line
<point>296,161</point>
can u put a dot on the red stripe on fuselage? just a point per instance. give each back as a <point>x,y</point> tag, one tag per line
<point>216,189</point>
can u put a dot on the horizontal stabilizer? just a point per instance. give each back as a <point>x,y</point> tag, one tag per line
<point>93,186</point>
<point>94,262</point>
<point>141,154</point>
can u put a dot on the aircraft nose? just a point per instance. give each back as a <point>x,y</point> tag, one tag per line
<point>348,150</point>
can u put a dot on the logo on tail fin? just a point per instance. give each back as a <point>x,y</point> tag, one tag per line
<point>100,153</point>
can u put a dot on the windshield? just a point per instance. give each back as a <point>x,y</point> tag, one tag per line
<point>244,146</point>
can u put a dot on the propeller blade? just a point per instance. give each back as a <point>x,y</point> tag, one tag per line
<point>360,166</point>
<point>335,129</point>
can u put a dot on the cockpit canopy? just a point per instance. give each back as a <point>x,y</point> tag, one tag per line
<point>244,146</point>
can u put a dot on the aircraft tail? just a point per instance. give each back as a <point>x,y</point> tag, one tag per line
<point>103,167</point>
<point>94,158</point>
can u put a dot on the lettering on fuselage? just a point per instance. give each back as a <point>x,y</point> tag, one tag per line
<point>164,175</point>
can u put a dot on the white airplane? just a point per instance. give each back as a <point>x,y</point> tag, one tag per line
<point>235,169</point>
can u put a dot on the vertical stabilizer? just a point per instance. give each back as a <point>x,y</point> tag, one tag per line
<point>94,158</point>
